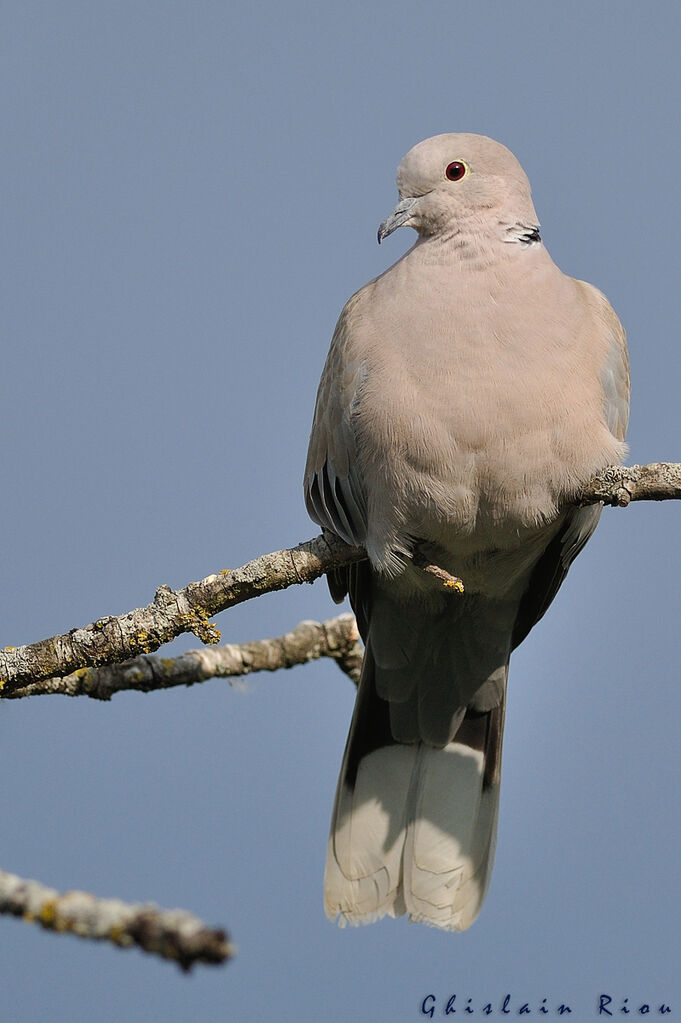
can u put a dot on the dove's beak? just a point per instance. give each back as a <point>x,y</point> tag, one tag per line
<point>401,215</point>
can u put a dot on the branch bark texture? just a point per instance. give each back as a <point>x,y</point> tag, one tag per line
<point>337,638</point>
<point>172,612</point>
<point>620,484</point>
<point>169,933</point>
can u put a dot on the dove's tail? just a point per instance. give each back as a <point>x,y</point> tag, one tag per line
<point>414,827</point>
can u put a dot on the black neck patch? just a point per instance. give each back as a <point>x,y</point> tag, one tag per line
<point>526,234</point>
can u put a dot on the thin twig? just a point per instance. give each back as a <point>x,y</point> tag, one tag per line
<point>337,638</point>
<point>114,639</point>
<point>452,582</point>
<point>168,933</point>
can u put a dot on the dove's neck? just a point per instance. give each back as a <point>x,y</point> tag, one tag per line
<point>479,242</point>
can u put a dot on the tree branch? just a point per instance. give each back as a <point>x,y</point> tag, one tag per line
<point>620,484</point>
<point>169,933</point>
<point>114,639</point>
<point>337,638</point>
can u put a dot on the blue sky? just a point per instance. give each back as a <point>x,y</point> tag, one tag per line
<point>191,192</point>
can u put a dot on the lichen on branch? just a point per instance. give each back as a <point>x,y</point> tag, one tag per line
<point>336,638</point>
<point>169,933</point>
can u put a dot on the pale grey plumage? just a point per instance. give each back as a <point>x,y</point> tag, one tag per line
<point>470,392</point>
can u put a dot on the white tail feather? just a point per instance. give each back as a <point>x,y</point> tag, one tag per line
<point>415,835</point>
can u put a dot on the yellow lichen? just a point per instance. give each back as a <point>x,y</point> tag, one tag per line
<point>455,584</point>
<point>118,935</point>
<point>141,639</point>
<point>47,913</point>
<point>196,621</point>
<point>214,635</point>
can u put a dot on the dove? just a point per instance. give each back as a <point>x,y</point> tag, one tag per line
<point>470,392</point>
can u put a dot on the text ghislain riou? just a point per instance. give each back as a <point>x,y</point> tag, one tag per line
<point>603,1005</point>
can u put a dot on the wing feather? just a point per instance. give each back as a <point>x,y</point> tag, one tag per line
<point>334,491</point>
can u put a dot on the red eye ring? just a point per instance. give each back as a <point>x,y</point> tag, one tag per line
<point>455,170</point>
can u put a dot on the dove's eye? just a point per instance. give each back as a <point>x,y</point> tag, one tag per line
<point>456,170</point>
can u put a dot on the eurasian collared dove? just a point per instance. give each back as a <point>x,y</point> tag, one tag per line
<point>470,392</point>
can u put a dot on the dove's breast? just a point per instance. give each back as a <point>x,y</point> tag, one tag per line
<point>471,419</point>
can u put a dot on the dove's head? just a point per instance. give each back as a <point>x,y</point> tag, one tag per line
<point>451,180</point>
